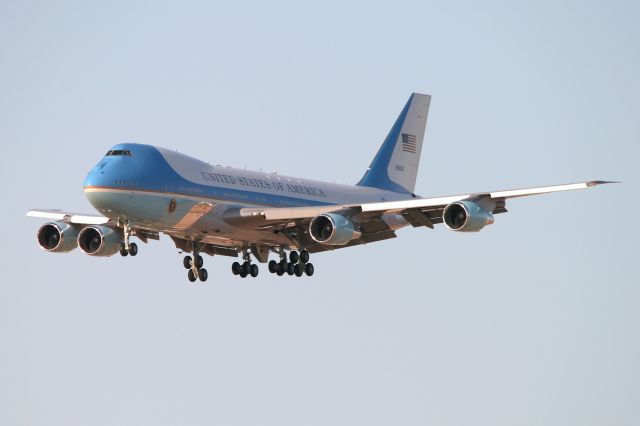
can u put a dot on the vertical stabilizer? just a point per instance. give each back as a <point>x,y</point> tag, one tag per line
<point>395,166</point>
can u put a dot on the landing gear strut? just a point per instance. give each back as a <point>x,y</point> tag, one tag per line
<point>194,265</point>
<point>126,247</point>
<point>246,268</point>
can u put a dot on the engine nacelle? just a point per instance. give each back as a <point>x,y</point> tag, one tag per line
<point>332,229</point>
<point>466,216</point>
<point>58,237</point>
<point>100,240</point>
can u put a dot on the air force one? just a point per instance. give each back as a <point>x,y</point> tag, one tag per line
<point>143,191</point>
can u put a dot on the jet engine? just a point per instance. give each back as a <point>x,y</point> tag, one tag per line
<point>100,240</point>
<point>466,216</point>
<point>58,237</point>
<point>332,229</point>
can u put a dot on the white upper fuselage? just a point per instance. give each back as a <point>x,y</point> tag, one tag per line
<point>164,190</point>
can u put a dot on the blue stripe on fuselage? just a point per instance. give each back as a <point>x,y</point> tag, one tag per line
<point>147,170</point>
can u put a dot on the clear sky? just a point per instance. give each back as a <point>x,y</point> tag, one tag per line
<point>533,321</point>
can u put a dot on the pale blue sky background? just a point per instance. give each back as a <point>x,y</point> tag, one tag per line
<point>533,321</point>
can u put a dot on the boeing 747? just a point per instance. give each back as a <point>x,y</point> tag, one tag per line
<point>144,191</point>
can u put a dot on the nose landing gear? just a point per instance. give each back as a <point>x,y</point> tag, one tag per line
<point>126,247</point>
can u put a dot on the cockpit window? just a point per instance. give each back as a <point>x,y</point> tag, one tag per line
<point>119,153</point>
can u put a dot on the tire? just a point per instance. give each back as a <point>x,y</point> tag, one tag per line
<point>280,270</point>
<point>243,273</point>
<point>203,274</point>
<point>291,268</point>
<point>309,269</point>
<point>253,270</point>
<point>304,256</point>
<point>294,256</point>
<point>133,249</point>
<point>191,275</point>
<point>236,268</point>
<point>123,251</point>
<point>199,261</point>
<point>298,270</point>
<point>186,262</point>
<point>273,266</point>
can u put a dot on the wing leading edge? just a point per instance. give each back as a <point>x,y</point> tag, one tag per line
<point>497,198</point>
<point>69,217</point>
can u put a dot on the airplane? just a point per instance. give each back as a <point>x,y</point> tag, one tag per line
<point>144,191</point>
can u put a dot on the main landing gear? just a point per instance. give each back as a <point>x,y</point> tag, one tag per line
<point>294,264</point>
<point>126,247</point>
<point>194,265</point>
<point>298,264</point>
<point>246,268</point>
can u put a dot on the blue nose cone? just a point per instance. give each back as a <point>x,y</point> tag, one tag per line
<point>118,170</point>
<point>96,176</point>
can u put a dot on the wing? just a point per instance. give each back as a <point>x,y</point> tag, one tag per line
<point>69,217</point>
<point>433,207</point>
<point>372,218</point>
<point>90,219</point>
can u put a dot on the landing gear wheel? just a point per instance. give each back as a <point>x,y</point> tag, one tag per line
<point>236,268</point>
<point>191,275</point>
<point>244,269</point>
<point>133,249</point>
<point>281,269</point>
<point>253,270</point>
<point>123,250</point>
<point>203,274</point>
<point>273,266</point>
<point>304,256</point>
<point>298,270</point>
<point>291,268</point>
<point>186,262</point>
<point>199,261</point>
<point>308,269</point>
<point>294,256</point>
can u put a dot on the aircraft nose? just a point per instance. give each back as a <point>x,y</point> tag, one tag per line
<point>96,176</point>
<point>94,180</point>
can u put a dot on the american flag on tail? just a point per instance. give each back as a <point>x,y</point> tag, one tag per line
<point>408,143</point>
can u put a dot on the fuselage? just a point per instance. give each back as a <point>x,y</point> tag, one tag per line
<point>165,190</point>
<point>145,191</point>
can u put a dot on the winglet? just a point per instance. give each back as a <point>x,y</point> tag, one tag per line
<point>601,182</point>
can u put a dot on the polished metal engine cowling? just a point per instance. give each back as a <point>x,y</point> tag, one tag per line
<point>100,240</point>
<point>332,229</point>
<point>466,216</point>
<point>58,237</point>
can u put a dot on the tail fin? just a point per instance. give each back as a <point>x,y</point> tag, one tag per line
<point>395,166</point>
